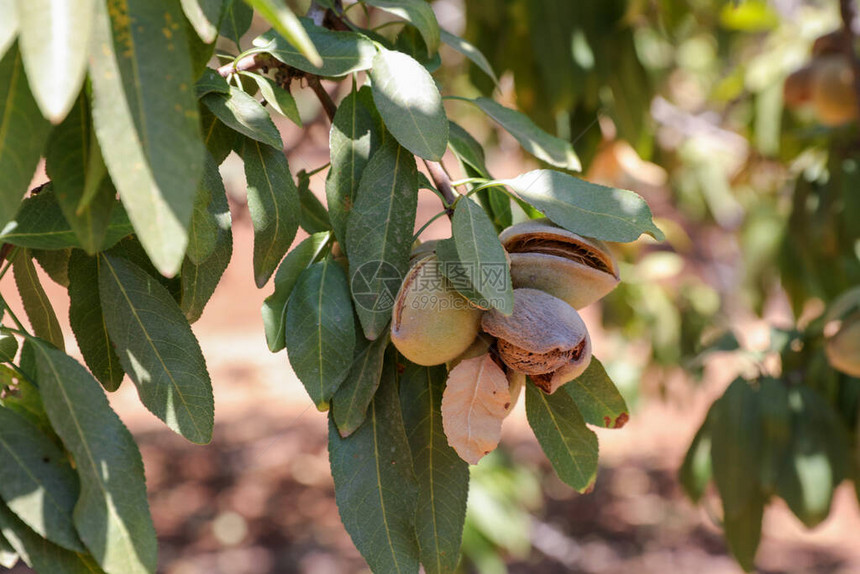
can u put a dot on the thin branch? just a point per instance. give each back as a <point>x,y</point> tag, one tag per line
<point>443,184</point>
<point>249,64</point>
<point>322,96</point>
<point>848,13</point>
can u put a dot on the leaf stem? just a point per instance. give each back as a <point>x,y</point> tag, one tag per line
<point>468,181</point>
<point>426,225</point>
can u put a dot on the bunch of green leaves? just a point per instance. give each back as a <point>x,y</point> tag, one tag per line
<point>793,436</point>
<point>132,123</point>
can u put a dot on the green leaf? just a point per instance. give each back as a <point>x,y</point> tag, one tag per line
<point>467,149</point>
<point>586,208</point>
<point>342,52</point>
<point>320,330</point>
<point>736,446</point>
<point>131,249</point>
<point>356,133</point>
<point>742,530</point>
<point>288,26</point>
<point>470,52</point>
<point>375,487</point>
<point>8,348</point>
<point>816,458</point>
<point>146,120</point>
<point>273,201</point>
<point>379,234</point>
<point>112,514</point>
<point>36,480</point>
<point>203,230</point>
<point>443,477</point>
<point>40,224</point>
<point>244,114</point>
<point>210,82</point>
<point>549,148</point>
<point>696,472</point>
<point>410,42</point>
<point>54,262</point>
<point>418,13</point>
<point>88,322</point>
<point>458,274</point>
<point>560,429</point>
<point>410,105</point>
<point>21,395</point>
<point>156,348</point>
<point>23,132</point>
<point>8,555</point>
<point>480,252</point>
<point>219,138</point>
<point>8,27</point>
<point>55,42</point>
<point>198,281</point>
<point>68,161</point>
<point>597,398</point>
<point>274,309</point>
<point>39,553</point>
<point>314,217</point>
<point>350,402</point>
<point>205,17</point>
<point>38,307</point>
<point>281,100</point>
<point>236,20</point>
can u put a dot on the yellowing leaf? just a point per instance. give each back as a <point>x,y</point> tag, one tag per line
<point>475,401</point>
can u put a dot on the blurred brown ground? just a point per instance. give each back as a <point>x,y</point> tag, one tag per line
<point>259,499</point>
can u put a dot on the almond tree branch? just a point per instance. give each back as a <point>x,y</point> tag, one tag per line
<point>322,96</point>
<point>443,184</point>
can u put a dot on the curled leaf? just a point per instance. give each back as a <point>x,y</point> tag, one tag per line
<point>475,401</point>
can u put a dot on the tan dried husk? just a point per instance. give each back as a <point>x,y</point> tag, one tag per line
<point>475,402</point>
<point>576,269</point>
<point>544,338</point>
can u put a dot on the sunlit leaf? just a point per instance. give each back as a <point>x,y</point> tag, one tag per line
<point>569,445</point>
<point>341,52</point>
<point>288,26</point>
<point>146,120</point>
<point>586,208</point>
<point>597,397</point>
<point>546,147</point>
<point>36,480</point>
<point>112,513</point>
<point>205,17</point>
<point>157,348</point>
<point>55,42</point>
<point>418,13</point>
<point>470,52</point>
<point>410,104</point>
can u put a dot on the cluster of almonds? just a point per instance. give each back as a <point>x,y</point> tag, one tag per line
<point>554,273</point>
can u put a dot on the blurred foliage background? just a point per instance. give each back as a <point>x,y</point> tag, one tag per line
<point>737,122</point>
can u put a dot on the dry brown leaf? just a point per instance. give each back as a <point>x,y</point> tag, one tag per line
<point>475,401</point>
